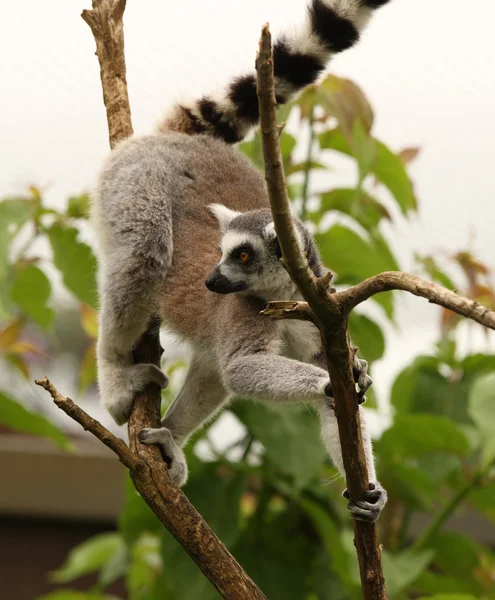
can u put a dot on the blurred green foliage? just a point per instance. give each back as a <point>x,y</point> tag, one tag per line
<point>271,496</point>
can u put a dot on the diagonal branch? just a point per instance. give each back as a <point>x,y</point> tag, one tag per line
<point>148,470</point>
<point>89,424</point>
<point>436,294</point>
<point>171,506</point>
<point>331,320</point>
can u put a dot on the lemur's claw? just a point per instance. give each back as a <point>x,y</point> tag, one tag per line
<point>371,507</point>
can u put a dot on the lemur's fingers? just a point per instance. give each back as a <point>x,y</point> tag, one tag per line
<point>361,377</point>
<point>371,507</point>
<point>171,452</point>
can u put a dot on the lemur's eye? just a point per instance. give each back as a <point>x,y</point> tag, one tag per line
<point>244,256</point>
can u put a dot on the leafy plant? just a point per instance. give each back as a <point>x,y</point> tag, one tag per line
<point>271,496</point>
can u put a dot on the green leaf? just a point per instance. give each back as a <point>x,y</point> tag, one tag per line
<point>13,214</point>
<point>367,335</point>
<point>136,517</point>
<point>402,569</point>
<point>181,576</point>
<point>449,597</point>
<point>448,547</point>
<point>287,145</point>
<point>87,369</point>
<point>15,416</point>
<point>290,435</point>
<point>484,500</point>
<point>433,270</point>
<point>342,563</point>
<point>343,99</point>
<point>352,256</point>
<point>418,434</point>
<point>355,259</point>
<point>422,387</point>
<point>78,206</point>
<point>482,411</point>
<point>435,583</point>
<point>390,170</point>
<point>115,568</point>
<point>364,150</point>
<point>387,168</point>
<point>75,261</point>
<point>409,484</point>
<point>16,212</point>
<point>146,569</point>
<point>254,151</point>
<point>92,555</point>
<point>216,492</point>
<point>278,556</point>
<point>75,595</point>
<point>31,290</point>
<point>363,208</point>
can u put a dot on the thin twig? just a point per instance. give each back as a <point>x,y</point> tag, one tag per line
<point>89,424</point>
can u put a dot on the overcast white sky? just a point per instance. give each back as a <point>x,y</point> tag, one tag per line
<point>427,66</point>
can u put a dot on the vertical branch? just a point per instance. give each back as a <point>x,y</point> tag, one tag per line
<point>331,318</point>
<point>148,471</point>
<point>106,24</point>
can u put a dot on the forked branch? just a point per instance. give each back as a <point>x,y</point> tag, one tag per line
<point>330,319</point>
<point>330,311</point>
<point>148,470</point>
<point>171,506</point>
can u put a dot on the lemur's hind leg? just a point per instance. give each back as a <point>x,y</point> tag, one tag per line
<point>130,281</point>
<point>200,397</point>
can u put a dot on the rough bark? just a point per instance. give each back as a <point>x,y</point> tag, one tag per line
<point>150,476</point>
<point>330,312</point>
<point>148,470</point>
<point>106,24</point>
<point>330,319</point>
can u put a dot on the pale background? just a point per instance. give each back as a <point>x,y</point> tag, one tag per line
<point>428,68</point>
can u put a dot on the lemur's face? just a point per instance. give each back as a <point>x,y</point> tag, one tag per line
<point>250,260</point>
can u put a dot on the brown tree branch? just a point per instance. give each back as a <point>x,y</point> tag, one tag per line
<point>331,320</point>
<point>434,293</point>
<point>384,282</point>
<point>148,470</point>
<point>171,506</point>
<point>106,24</point>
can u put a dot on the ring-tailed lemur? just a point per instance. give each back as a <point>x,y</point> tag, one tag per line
<point>157,209</point>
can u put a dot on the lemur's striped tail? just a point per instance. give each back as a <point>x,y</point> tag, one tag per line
<point>331,26</point>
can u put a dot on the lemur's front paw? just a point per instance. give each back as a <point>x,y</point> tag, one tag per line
<point>371,507</point>
<point>171,452</point>
<point>119,385</point>
<point>361,377</point>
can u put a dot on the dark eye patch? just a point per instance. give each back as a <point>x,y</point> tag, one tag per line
<point>240,250</point>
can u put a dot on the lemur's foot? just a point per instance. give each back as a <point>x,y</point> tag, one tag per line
<point>119,385</point>
<point>361,377</point>
<point>371,507</point>
<point>171,451</point>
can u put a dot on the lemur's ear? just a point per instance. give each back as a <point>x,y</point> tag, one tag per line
<point>272,236</point>
<point>223,215</point>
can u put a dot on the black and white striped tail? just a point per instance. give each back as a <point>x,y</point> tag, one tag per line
<point>331,26</point>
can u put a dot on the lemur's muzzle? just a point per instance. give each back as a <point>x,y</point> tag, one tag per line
<point>220,284</point>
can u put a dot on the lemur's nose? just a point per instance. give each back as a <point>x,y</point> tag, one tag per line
<point>217,282</point>
<point>210,283</point>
